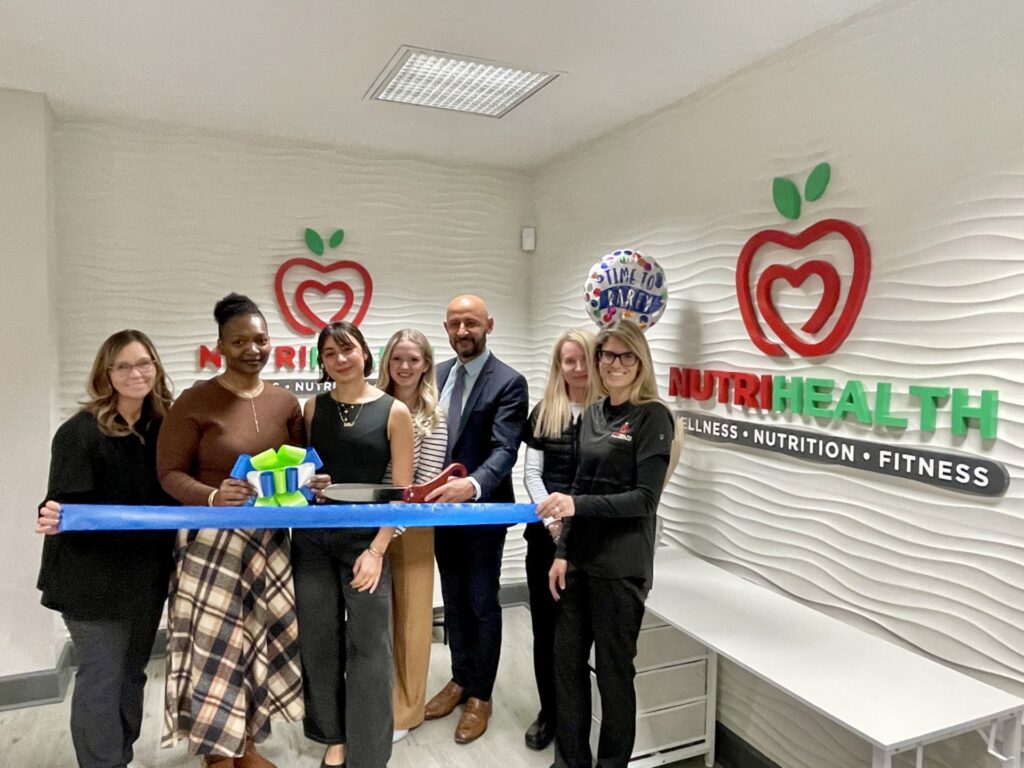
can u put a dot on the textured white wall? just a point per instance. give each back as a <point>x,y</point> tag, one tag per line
<point>157,223</point>
<point>28,339</point>
<point>920,110</point>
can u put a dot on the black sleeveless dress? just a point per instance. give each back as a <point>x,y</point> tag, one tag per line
<point>352,454</point>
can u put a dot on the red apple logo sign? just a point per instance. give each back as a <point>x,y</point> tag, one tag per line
<point>787,200</point>
<point>310,294</point>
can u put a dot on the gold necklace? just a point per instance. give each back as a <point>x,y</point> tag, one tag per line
<point>244,393</point>
<point>345,410</point>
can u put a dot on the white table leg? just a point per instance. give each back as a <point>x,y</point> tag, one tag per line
<point>711,708</point>
<point>1012,746</point>
<point>880,758</point>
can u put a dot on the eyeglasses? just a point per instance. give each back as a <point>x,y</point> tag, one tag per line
<point>627,359</point>
<point>125,369</point>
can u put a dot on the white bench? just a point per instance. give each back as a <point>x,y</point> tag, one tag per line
<point>835,669</point>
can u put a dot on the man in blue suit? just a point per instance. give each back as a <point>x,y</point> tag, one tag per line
<point>486,402</point>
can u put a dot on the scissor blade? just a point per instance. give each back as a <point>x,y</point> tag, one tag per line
<point>363,493</point>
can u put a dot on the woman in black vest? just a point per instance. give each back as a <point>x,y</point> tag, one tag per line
<point>605,560</point>
<point>551,467</point>
<point>109,586</point>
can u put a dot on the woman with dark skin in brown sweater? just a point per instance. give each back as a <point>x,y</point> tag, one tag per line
<point>233,658</point>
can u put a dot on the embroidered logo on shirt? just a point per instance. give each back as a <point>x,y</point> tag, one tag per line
<point>622,433</point>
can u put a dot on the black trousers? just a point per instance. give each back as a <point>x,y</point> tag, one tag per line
<point>540,553</point>
<point>345,645</point>
<point>605,613</point>
<point>469,561</point>
<point>106,706</point>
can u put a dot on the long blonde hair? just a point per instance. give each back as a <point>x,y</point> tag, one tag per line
<point>102,400</point>
<point>555,413</point>
<point>645,386</point>
<point>426,416</point>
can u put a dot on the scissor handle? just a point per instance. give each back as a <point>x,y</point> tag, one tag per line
<point>418,493</point>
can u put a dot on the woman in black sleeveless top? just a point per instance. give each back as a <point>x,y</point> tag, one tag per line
<point>342,580</point>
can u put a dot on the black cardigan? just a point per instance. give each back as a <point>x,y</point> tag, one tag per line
<point>89,575</point>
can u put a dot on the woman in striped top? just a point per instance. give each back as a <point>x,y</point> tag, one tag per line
<point>407,373</point>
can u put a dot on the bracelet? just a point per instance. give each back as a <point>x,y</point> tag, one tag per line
<point>374,552</point>
<point>209,499</point>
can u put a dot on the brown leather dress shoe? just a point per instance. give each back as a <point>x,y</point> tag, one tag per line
<point>218,761</point>
<point>473,722</point>
<point>252,758</point>
<point>445,702</point>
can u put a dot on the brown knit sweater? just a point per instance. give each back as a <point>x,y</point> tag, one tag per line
<point>208,427</point>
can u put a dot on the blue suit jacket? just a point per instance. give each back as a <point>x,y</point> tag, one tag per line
<point>492,426</point>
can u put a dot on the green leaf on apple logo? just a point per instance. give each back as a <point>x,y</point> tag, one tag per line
<point>314,242</point>
<point>337,237</point>
<point>817,181</point>
<point>786,197</point>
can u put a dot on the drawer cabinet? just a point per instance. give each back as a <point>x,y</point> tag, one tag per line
<point>666,647</point>
<point>664,730</point>
<point>663,688</point>
<point>662,646</point>
<point>674,677</point>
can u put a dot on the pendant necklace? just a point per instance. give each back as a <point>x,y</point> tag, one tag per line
<point>243,393</point>
<point>345,413</point>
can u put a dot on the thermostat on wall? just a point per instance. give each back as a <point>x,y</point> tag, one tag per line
<point>529,239</point>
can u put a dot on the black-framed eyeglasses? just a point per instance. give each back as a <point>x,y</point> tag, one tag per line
<point>627,359</point>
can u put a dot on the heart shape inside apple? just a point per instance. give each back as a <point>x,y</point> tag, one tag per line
<point>323,289</point>
<point>796,276</point>
<point>303,319</point>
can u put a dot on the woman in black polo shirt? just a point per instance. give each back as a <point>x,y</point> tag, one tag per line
<point>605,560</point>
<point>109,586</point>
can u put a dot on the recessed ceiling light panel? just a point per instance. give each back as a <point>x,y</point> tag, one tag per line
<point>461,83</point>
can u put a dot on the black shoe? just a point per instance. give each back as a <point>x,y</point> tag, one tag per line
<point>540,733</point>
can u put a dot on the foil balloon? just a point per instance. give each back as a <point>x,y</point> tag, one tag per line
<point>626,285</point>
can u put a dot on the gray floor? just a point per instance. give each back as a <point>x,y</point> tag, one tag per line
<point>38,737</point>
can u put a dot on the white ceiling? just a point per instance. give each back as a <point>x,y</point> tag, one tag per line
<point>300,68</point>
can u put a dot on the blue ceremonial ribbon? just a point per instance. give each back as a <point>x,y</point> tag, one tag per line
<point>115,517</point>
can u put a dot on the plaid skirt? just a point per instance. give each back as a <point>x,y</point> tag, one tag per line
<point>233,648</point>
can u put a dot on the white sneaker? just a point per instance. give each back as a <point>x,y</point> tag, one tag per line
<point>399,735</point>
